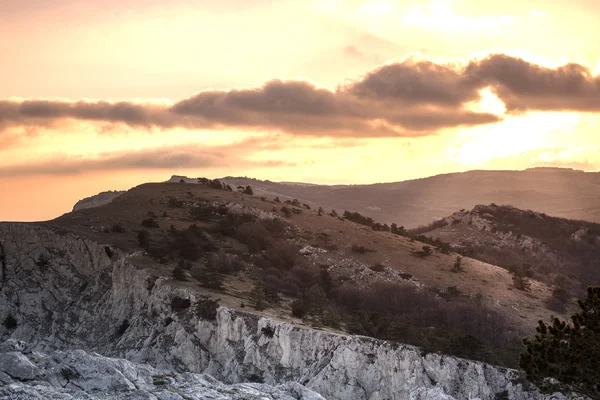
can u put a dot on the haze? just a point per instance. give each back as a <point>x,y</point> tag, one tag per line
<point>106,95</point>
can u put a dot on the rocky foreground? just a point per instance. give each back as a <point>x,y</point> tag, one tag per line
<point>67,297</point>
<point>76,374</point>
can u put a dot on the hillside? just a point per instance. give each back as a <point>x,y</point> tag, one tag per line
<point>354,255</point>
<point>161,261</point>
<point>559,251</point>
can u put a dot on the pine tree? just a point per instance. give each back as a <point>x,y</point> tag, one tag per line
<point>569,353</point>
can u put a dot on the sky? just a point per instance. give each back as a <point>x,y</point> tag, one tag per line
<point>107,95</point>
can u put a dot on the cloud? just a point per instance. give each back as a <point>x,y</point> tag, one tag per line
<point>410,98</point>
<point>522,85</point>
<point>176,157</point>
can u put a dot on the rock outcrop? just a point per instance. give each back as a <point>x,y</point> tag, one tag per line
<point>60,292</point>
<point>97,200</point>
<point>76,374</point>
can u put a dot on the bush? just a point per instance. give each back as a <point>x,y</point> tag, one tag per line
<point>144,238</point>
<point>281,255</point>
<point>10,323</point>
<point>361,249</point>
<point>258,299</point>
<point>248,190</point>
<point>424,252</point>
<point>180,304</point>
<point>206,308</point>
<point>567,352</point>
<point>286,211</point>
<point>520,277</point>
<point>118,228</point>
<point>179,274</point>
<point>268,331</point>
<point>300,308</point>
<point>175,203</point>
<point>208,278</point>
<point>150,223</point>
<point>123,327</point>
<point>377,268</point>
<point>255,235</point>
<point>457,267</point>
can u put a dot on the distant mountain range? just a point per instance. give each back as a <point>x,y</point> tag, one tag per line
<point>559,192</point>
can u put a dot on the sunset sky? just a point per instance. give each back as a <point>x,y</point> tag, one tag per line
<point>105,95</point>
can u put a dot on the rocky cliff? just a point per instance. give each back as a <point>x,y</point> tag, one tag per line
<point>59,292</point>
<point>76,374</point>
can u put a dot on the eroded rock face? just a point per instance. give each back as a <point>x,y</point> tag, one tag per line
<point>64,292</point>
<point>97,200</point>
<point>76,374</point>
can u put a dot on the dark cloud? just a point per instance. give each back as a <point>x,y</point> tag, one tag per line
<point>525,86</point>
<point>404,99</point>
<point>415,83</point>
<point>179,157</point>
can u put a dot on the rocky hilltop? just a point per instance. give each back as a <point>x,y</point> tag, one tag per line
<point>61,293</point>
<point>97,200</point>
<point>561,252</point>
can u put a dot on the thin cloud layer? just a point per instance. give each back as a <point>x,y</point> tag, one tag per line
<point>170,158</point>
<point>407,99</point>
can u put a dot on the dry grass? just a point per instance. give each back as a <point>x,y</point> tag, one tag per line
<point>493,283</point>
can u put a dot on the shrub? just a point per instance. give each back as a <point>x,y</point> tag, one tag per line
<point>281,255</point>
<point>424,252</point>
<point>255,235</point>
<point>43,261</point>
<point>10,323</point>
<point>377,268</point>
<point>248,190</point>
<point>559,298</point>
<point>286,211</point>
<point>175,203</point>
<point>567,352</point>
<point>300,308</point>
<point>206,308</point>
<point>223,263</point>
<point>257,298</point>
<point>453,291</point>
<point>268,331</point>
<point>208,278</point>
<point>179,274</point>
<point>118,228</point>
<point>180,304</point>
<point>358,218</point>
<point>520,277</point>
<point>144,238</point>
<point>457,267</point>
<point>361,249</point>
<point>123,327</point>
<point>150,223</point>
<point>108,251</point>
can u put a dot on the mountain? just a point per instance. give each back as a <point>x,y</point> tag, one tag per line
<point>559,192</point>
<point>193,278</point>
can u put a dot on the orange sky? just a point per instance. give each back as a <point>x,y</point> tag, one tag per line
<point>104,95</point>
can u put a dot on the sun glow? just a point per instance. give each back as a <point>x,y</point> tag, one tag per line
<point>513,136</point>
